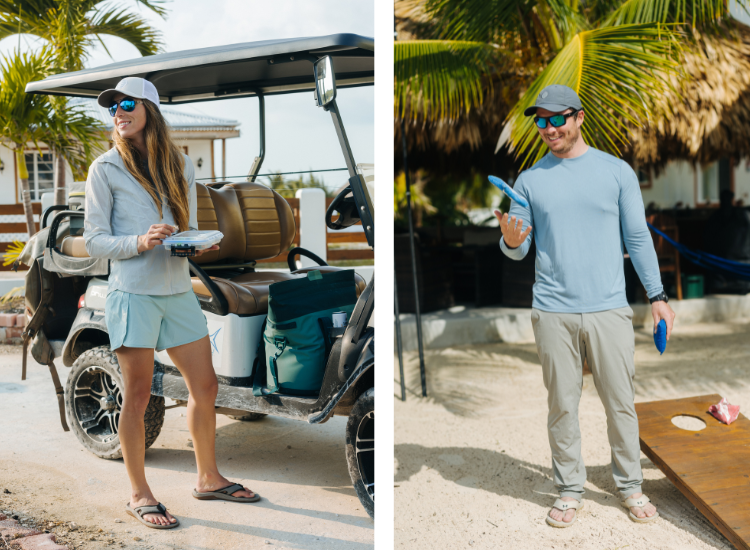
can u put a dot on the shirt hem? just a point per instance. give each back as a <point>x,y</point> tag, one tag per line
<point>590,309</point>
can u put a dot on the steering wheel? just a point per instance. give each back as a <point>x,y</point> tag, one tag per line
<point>346,207</point>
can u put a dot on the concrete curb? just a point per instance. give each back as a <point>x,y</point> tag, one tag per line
<point>460,326</point>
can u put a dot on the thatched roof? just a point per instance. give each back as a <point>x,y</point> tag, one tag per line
<point>705,119</point>
<point>709,118</point>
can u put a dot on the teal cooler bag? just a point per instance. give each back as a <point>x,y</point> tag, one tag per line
<point>299,313</point>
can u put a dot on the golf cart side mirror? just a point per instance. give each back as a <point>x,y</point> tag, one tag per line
<point>325,81</point>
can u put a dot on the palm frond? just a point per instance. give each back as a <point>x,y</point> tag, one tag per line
<point>12,253</point>
<point>693,12</point>
<point>616,71</point>
<point>128,26</point>
<point>439,79</point>
<point>12,293</point>
<point>474,20</point>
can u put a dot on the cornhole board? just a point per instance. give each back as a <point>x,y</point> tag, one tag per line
<point>711,467</point>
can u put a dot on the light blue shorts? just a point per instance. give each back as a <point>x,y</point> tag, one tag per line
<point>160,322</point>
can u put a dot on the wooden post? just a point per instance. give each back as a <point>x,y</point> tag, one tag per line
<point>223,158</point>
<point>213,173</point>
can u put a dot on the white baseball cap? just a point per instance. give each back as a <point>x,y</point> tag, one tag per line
<point>131,86</point>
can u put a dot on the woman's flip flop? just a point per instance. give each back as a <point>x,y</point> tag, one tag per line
<point>139,511</point>
<point>226,494</point>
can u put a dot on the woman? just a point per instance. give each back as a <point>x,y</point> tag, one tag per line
<point>137,194</point>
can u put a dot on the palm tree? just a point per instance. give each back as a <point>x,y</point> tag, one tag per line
<point>620,57</point>
<point>71,28</point>
<point>31,118</point>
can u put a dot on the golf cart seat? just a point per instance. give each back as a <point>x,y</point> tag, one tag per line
<point>257,224</point>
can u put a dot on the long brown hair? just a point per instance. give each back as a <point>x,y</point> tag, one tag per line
<point>165,164</point>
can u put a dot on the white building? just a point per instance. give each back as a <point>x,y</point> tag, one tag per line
<point>694,186</point>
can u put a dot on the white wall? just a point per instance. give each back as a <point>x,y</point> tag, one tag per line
<point>742,181</point>
<point>201,149</point>
<point>674,184</point>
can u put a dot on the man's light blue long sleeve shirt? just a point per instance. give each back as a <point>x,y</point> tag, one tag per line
<point>584,212</point>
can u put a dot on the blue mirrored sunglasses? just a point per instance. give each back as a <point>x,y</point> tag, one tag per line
<point>126,105</point>
<point>556,120</point>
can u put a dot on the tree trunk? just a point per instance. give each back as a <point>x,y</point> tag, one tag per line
<point>23,174</point>
<point>59,179</point>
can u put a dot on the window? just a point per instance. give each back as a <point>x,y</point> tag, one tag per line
<point>708,183</point>
<point>645,178</point>
<point>41,173</point>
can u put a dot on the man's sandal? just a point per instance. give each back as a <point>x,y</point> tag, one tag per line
<point>226,494</point>
<point>564,506</point>
<point>640,502</point>
<point>139,511</point>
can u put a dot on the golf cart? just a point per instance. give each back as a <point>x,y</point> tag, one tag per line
<point>66,289</point>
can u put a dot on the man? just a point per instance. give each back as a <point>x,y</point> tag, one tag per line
<point>582,204</point>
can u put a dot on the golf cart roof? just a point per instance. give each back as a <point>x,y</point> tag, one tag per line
<point>235,70</point>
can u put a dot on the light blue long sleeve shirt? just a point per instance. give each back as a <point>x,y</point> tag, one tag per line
<point>584,211</point>
<point>118,209</point>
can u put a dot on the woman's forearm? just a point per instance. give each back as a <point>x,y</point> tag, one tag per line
<point>103,245</point>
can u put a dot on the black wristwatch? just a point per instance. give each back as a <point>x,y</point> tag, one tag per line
<point>661,297</point>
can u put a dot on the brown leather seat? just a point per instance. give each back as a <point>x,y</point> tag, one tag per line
<point>246,294</point>
<point>257,223</point>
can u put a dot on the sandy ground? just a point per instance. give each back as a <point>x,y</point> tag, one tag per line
<point>299,469</point>
<point>473,459</point>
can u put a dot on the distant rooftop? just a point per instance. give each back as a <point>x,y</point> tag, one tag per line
<point>186,125</point>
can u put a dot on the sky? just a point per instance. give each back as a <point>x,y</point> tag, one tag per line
<point>299,135</point>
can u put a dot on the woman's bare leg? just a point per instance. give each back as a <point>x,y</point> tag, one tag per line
<point>137,366</point>
<point>194,362</point>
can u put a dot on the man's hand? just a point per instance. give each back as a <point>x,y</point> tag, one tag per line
<point>154,237</point>
<point>214,247</point>
<point>513,233</point>
<point>661,310</point>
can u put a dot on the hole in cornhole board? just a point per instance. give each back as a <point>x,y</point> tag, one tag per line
<point>685,422</point>
<point>708,466</point>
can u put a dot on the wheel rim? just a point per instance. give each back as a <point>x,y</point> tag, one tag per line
<point>365,448</point>
<point>97,402</point>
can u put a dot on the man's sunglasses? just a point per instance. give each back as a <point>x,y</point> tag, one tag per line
<point>556,120</point>
<point>126,105</point>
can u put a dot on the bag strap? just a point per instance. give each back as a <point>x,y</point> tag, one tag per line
<point>41,350</point>
<point>259,370</point>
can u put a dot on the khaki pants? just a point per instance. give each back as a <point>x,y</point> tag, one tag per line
<point>606,340</point>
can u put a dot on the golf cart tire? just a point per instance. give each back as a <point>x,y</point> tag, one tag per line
<point>98,367</point>
<point>249,417</point>
<point>362,422</point>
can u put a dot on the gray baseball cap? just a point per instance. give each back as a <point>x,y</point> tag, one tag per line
<point>555,98</point>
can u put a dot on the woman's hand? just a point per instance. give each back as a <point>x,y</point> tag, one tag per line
<point>156,233</point>
<point>214,247</point>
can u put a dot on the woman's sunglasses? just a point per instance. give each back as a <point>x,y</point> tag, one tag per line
<point>556,120</point>
<point>126,105</point>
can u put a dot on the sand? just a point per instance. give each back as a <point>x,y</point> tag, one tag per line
<point>473,459</point>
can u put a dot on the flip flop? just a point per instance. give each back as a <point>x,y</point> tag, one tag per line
<point>226,494</point>
<point>640,502</point>
<point>565,505</point>
<point>139,511</point>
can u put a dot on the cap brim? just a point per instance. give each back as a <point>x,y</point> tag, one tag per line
<point>553,107</point>
<point>105,98</point>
